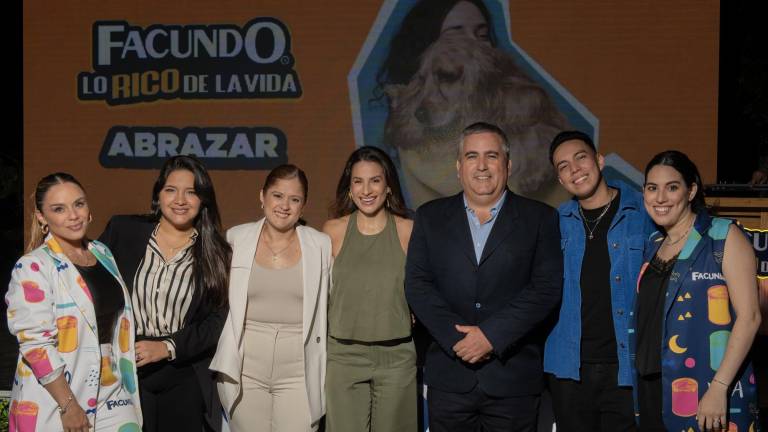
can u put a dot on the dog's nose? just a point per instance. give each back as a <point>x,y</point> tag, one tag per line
<point>422,115</point>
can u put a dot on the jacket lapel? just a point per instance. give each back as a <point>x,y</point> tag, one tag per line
<point>458,225</point>
<point>71,282</point>
<point>310,276</point>
<point>243,251</point>
<point>502,227</point>
<point>688,255</point>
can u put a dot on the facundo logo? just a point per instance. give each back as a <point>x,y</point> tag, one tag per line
<point>706,276</point>
<point>133,64</point>
<point>118,403</point>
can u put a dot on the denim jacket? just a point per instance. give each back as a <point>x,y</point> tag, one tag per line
<point>627,235</point>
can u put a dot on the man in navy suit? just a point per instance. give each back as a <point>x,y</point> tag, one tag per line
<point>484,272</point>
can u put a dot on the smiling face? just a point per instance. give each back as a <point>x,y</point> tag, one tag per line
<point>65,211</point>
<point>465,19</point>
<point>283,203</point>
<point>666,196</point>
<point>368,187</point>
<point>578,168</point>
<point>483,168</point>
<point>178,201</point>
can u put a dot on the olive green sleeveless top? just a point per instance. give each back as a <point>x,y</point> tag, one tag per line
<point>367,301</point>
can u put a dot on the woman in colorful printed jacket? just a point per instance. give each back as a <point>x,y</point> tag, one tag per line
<point>71,312</point>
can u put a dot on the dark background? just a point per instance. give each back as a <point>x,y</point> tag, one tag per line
<point>743,94</point>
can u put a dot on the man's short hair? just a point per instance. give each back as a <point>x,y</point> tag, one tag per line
<point>483,127</point>
<point>568,136</point>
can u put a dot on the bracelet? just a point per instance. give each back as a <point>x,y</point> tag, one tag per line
<point>62,411</point>
<point>720,382</point>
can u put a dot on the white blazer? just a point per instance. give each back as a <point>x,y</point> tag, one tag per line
<point>50,311</point>
<point>315,265</point>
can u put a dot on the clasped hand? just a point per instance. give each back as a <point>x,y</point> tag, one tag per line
<point>474,347</point>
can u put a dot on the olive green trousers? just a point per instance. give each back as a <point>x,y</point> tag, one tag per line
<point>371,387</point>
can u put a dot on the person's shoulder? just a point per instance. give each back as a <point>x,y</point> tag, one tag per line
<point>530,206</point>
<point>336,226</point>
<point>437,205</point>
<point>130,220</point>
<point>242,228</point>
<point>403,223</point>
<point>319,237</point>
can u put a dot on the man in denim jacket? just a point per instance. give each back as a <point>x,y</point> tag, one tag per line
<point>603,231</point>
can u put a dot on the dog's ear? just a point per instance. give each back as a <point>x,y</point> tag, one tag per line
<point>393,92</point>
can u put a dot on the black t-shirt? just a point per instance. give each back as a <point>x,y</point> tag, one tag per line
<point>598,340</point>
<point>107,298</point>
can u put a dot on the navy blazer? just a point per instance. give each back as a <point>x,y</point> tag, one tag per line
<point>127,237</point>
<point>510,294</point>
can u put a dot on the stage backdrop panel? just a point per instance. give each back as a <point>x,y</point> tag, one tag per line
<point>111,88</point>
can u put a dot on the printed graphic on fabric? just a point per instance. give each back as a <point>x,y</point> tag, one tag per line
<point>84,287</point>
<point>717,305</point>
<point>67,326</point>
<point>107,374</point>
<point>32,291</point>
<point>717,343</point>
<point>38,360</point>
<point>125,334</point>
<point>127,373</point>
<point>23,416</point>
<point>685,397</point>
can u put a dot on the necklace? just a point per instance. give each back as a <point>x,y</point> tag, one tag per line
<point>596,220</point>
<point>668,242</point>
<point>276,255</point>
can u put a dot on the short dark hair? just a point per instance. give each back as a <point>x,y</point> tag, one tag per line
<point>568,136</point>
<point>483,127</point>
<point>681,163</point>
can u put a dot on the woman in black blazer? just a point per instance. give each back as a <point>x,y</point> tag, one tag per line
<point>175,263</point>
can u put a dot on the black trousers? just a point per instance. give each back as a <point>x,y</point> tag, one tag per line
<point>476,411</point>
<point>171,399</point>
<point>596,403</point>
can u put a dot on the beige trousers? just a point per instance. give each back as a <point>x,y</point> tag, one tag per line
<point>274,394</point>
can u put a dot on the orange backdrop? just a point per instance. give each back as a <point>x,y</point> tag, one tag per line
<point>646,70</point>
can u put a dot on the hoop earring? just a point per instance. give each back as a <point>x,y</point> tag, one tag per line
<point>44,228</point>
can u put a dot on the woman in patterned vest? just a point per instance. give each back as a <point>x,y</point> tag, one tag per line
<point>697,310</point>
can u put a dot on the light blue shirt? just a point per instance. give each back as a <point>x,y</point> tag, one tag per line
<point>481,231</point>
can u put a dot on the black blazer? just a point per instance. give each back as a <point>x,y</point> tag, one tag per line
<point>509,295</point>
<point>127,237</point>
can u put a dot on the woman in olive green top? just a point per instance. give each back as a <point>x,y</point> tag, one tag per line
<point>371,372</point>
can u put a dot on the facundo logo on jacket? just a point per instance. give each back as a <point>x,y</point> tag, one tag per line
<point>134,64</point>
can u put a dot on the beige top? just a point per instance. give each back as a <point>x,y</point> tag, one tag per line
<point>275,295</point>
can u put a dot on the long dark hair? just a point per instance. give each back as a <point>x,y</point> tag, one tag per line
<point>680,162</point>
<point>36,234</point>
<point>343,204</point>
<point>418,30</point>
<point>211,252</point>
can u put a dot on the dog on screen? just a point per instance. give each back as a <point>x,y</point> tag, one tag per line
<point>461,81</point>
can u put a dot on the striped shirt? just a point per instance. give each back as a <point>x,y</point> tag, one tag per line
<point>162,290</point>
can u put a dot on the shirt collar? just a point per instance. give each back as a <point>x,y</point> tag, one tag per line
<point>494,209</point>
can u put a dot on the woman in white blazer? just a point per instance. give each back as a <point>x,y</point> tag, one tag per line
<point>272,352</point>
<point>71,313</point>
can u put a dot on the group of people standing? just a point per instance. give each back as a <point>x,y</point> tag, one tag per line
<point>629,303</point>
